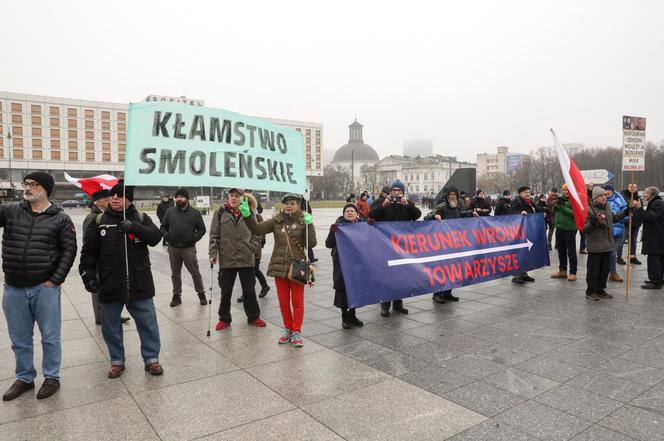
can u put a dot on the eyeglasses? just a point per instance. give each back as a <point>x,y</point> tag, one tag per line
<point>30,184</point>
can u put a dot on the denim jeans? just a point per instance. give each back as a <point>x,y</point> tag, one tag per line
<point>145,317</point>
<point>23,307</point>
<point>618,242</point>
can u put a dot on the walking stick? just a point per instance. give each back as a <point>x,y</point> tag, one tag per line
<point>210,300</point>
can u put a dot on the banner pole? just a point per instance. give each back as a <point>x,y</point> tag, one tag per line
<point>629,240</point>
<point>124,218</point>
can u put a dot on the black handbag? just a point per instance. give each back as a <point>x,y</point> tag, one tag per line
<point>299,271</point>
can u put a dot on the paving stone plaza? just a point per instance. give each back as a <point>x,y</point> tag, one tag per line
<point>508,362</point>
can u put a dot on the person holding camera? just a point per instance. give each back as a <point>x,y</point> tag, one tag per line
<point>565,227</point>
<point>600,243</point>
<point>395,207</point>
<point>480,205</point>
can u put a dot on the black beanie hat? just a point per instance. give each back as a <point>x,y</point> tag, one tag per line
<point>182,192</point>
<point>122,191</point>
<point>100,194</point>
<point>44,179</point>
<point>506,192</point>
<point>523,188</point>
<point>386,189</point>
<point>353,206</point>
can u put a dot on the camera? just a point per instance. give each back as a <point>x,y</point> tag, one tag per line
<point>395,199</point>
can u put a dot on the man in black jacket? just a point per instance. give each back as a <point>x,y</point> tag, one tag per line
<point>523,204</point>
<point>38,250</point>
<point>384,193</point>
<point>653,236</point>
<point>504,205</point>
<point>166,204</point>
<point>182,227</point>
<point>116,244</point>
<point>480,205</point>
<point>395,207</point>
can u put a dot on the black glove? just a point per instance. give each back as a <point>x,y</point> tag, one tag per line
<point>127,226</point>
<point>90,284</point>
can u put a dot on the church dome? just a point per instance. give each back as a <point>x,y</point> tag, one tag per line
<point>356,149</point>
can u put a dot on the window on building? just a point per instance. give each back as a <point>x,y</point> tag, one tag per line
<point>72,145</point>
<point>55,122</point>
<point>121,157</point>
<point>318,165</point>
<point>105,114</point>
<point>89,156</point>
<point>89,113</point>
<point>36,154</point>
<point>106,136</point>
<point>17,119</point>
<point>35,120</point>
<point>17,107</point>
<point>298,130</point>
<point>106,157</point>
<point>121,147</point>
<point>426,188</point>
<point>122,127</point>
<point>55,155</point>
<point>317,141</point>
<point>55,144</point>
<point>55,133</point>
<point>89,146</point>
<point>417,188</point>
<point>106,146</point>
<point>37,143</point>
<point>35,108</point>
<point>318,157</point>
<point>17,153</point>
<point>308,140</point>
<point>106,125</point>
<point>89,124</point>
<point>318,133</point>
<point>54,110</point>
<point>122,137</point>
<point>37,131</point>
<point>73,156</point>
<point>308,132</point>
<point>72,134</point>
<point>89,135</point>
<point>71,112</point>
<point>72,123</point>
<point>17,131</point>
<point>308,159</point>
<point>122,116</point>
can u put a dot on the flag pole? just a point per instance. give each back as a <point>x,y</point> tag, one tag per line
<point>629,240</point>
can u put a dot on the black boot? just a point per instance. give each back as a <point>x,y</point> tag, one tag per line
<point>176,301</point>
<point>385,309</point>
<point>447,295</point>
<point>398,307</point>
<point>354,320</point>
<point>438,298</point>
<point>345,319</point>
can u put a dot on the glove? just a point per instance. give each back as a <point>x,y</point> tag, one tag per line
<point>127,226</point>
<point>333,228</point>
<point>308,218</point>
<point>371,221</point>
<point>244,208</point>
<point>90,284</point>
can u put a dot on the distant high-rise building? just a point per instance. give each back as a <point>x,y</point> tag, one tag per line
<point>418,147</point>
<point>503,161</point>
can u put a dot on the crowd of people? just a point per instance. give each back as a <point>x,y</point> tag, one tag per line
<point>39,249</point>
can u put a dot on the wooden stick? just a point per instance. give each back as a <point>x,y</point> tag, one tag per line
<point>629,242</point>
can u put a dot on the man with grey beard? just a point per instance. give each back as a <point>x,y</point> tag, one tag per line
<point>38,250</point>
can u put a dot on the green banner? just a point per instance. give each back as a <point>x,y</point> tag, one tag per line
<point>171,144</point>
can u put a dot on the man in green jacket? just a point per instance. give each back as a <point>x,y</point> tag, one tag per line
<point>565,236</point>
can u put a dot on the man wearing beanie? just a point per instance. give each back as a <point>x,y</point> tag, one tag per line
<point>38,250</point>
<point>118,242</point>
<point>395,207</point>
<point>599,243</point>
<point>523,204</point>
<point>182,227</point>
<point>166,203</point>
<point>384,193</point>
<point>504,205</point>
<point>480,205</point>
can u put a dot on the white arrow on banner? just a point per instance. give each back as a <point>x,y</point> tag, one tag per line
<point>397,262</point>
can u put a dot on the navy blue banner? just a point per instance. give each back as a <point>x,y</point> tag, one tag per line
<point>393,260</point>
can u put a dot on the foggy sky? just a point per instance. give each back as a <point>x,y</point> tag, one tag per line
<point>468,75</point>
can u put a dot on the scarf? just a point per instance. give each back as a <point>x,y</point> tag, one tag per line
<point>234,211</point>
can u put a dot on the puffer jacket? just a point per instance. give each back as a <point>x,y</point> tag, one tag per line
<point>282,257</point>
<point>36,247</point>
<point>618,204</point>
<point>231,240</point>
<point>103,256</point>
<point>599,236</point>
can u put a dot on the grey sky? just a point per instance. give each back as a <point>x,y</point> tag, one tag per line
<point>469,75</point>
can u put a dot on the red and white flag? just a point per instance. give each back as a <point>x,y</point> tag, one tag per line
<point>92,185</point>
<point>575,184</point>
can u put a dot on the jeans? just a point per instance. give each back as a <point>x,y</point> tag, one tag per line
<point>145,317</point>
<point>566,245</point>
<point>632,245</point>
<point>618,242</point>
<point>248,282</point>
<point>23,307</point>
<point>177,257</point>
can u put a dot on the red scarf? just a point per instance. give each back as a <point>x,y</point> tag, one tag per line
<point>234,211</point>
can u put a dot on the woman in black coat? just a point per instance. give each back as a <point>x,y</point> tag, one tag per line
<point>350,215</point>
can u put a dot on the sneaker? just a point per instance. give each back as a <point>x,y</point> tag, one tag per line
<point>263,292</point>
<point>116,370</point>
<point>621,261</point>
<point>615,277</point>
<point>48,388</point>
<point>259,323</point>
<point>592,296</point>
<point>296,340</point>
<point>154,368</point>
<point>222,325</point>
<point>559,275</point>
<point>176,301</point>
<point>604,295</point>
<point>202,300</point>
<point>634,261</point>
<point>571,278</point>
<point>285,337</point>
<point>17,389</point>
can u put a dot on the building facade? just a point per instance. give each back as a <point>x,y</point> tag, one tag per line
<point>501,162</point>
<point>357,158</point>
<point>422,176</point>
<point>312,134</point>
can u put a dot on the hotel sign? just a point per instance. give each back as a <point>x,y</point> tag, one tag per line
<point>174,99</point>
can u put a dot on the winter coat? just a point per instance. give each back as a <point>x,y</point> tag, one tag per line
<point>282,256</point>
<point>258,240</point>
<point>377,203</point>
<point>617,204</point>
<point>519,205</point>
<point>396,212</point>
<point>103,256</point>
<point>182,227</point>
<point>36,247</point>
<point>230,240</point>
<point>363,207</point>
<point>653,226</point>
<point>163,207</point>
<point>503,207</point>
<point>331,242</point>
<point>447,212</point>
<point>636,222</point>
<point>564,215</point>
<point>599,236</point>
<point>481,205</point>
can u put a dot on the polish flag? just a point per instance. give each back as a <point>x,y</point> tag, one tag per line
<point>92,185</point>
<point>575,184</point>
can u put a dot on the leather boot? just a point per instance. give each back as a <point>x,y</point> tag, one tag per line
<point>345,319</point>
<point>354,320</point>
